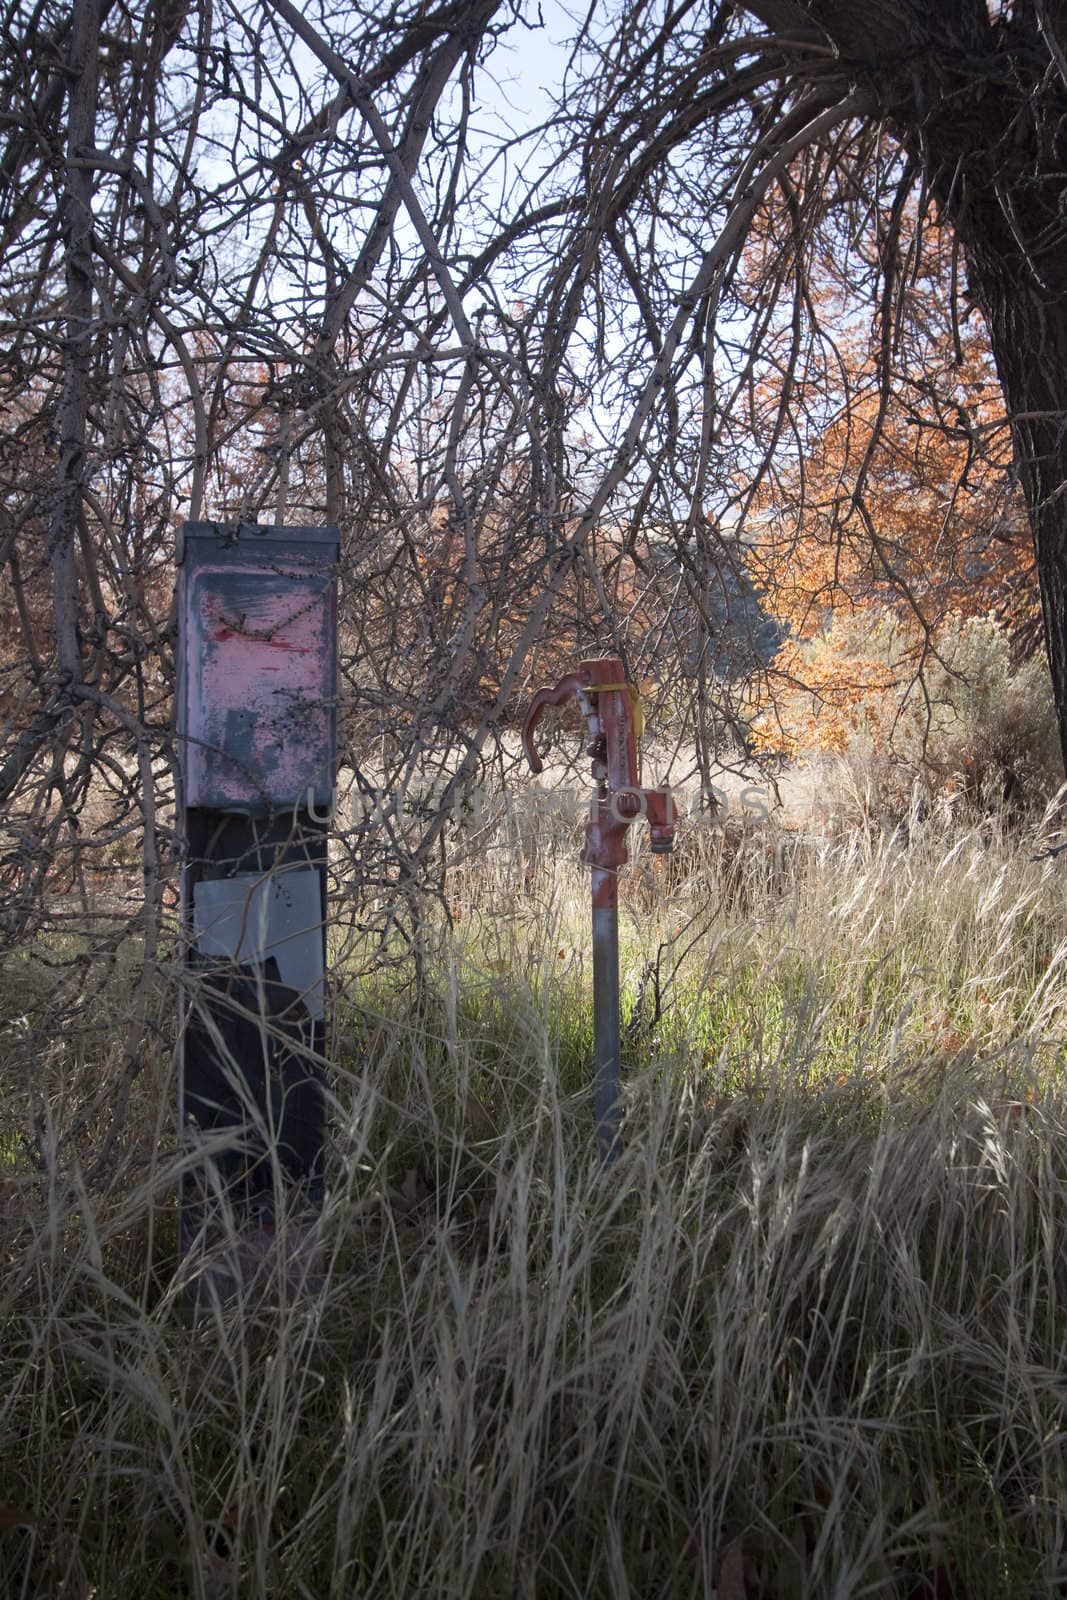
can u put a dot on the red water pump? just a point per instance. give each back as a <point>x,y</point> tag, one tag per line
<point>611,707</point>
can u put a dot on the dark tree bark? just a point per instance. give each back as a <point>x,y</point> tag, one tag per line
<point>1028,325</point>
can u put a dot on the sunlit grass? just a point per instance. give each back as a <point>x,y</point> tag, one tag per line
<point>806,1337</point>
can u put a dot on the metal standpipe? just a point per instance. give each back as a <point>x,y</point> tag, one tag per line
<point>607,1046</point>
<point>611,707</point>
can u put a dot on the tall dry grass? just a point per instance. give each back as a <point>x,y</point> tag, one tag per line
<point>805,1338</point>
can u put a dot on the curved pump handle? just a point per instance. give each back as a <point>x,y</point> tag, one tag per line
<point>573,683</point>
<point>612,710</point>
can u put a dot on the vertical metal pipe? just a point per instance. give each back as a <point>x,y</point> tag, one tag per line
<point>607,1053</point>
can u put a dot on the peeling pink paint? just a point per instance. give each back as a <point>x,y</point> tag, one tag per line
<point>258,669</point>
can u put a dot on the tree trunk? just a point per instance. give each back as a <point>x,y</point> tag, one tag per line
<point>1028,329</point>
<point>995,156</point>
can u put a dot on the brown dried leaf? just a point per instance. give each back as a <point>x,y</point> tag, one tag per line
<point>411,1194</point>
<point>12,1517</point>
<point>479,1118</point>
<point>731,1584</point>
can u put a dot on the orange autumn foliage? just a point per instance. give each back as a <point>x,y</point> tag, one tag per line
<point>900,510</point>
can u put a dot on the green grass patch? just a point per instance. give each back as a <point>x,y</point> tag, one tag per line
<point>805,1338</point>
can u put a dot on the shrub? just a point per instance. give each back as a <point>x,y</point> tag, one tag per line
<point>956,716</point>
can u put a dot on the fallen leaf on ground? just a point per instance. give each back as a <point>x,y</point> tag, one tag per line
<point>12,1517</point>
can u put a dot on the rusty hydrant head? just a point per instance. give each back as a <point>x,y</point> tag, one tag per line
<point>612,710</point>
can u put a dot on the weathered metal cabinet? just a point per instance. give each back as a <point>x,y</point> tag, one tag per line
<point>257,610</point>
<point>258,666</point>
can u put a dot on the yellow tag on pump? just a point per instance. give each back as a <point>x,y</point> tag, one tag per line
<point>631,690</point>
